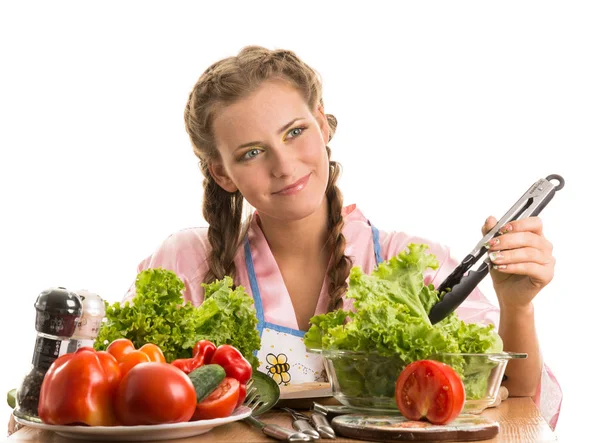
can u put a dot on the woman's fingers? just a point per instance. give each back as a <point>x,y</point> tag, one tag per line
<point>539,275</point>
<point>515,240</point>
<point>489,223</point>
<point>528,224</point>
<point>520,255</point>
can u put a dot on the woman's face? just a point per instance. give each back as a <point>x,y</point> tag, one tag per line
<point>272,149</point>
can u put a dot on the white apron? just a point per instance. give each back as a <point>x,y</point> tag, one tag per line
<point>282,354</point>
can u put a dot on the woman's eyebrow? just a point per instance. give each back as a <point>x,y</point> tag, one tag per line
<point>287,125</point>
<point>283,128</point>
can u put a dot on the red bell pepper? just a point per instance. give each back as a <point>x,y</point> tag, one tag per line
<point>79,388</point>
<point>235,365</point>
<point>202,353</point>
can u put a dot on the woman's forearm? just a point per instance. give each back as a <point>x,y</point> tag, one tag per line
<point>517,329</point>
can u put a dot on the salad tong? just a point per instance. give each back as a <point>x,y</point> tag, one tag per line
<point>458,285</point>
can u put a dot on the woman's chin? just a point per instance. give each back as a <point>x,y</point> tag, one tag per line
<point>295,211</point>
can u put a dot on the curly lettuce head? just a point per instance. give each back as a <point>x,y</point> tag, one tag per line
<point>390,318</point>
<point>158,314</point>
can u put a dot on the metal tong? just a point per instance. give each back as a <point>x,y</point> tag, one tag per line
<point>458,285</point>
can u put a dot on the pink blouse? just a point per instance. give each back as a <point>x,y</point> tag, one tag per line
<point>185,253</point>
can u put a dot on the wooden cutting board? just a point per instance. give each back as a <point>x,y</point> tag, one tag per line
<point>386,428</point>
<point>302,395</point>
<point>305,390</point>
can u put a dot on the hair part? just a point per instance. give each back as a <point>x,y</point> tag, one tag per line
<point>226,82</point>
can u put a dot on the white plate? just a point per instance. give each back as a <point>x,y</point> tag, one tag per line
<point>140,432</point>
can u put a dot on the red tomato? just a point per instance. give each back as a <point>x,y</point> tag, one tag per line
<point>119,348</point>
<point>242,396</point>
<point>155,393</point>
<point>221,402</point>
<point>430,389</point>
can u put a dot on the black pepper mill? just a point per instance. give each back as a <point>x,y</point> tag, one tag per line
<point>57,314</point>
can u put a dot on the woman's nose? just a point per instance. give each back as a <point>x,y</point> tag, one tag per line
<point>282,162</point>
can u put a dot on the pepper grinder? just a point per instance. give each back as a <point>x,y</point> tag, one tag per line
<point>58,312</point>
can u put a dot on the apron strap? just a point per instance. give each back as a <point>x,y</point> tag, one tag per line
<point>376,245</point>
<point>260,313</point>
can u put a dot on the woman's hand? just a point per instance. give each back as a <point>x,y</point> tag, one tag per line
<point>522,259</point>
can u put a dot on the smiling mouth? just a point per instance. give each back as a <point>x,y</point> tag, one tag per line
<point>294,187</point>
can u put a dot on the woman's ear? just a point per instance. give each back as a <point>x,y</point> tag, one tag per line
<point>220,176</point>
<point>323,124</point>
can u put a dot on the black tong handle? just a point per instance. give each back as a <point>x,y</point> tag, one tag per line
<point>460,291</point>
<point>458,285</point>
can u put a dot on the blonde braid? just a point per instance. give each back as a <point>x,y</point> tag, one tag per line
<point>341,263</point>
<point>223,212</point>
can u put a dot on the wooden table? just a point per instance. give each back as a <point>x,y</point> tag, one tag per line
<point>519,419</point>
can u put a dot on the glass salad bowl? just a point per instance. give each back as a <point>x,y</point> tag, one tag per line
<point>367,380</point>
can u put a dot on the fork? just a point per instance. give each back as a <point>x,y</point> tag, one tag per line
<point>254,402</point>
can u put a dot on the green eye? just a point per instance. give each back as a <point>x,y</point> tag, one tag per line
<point>296,132</point>
<point>251,154</point>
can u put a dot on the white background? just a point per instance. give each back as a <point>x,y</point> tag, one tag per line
<point>447,113</point>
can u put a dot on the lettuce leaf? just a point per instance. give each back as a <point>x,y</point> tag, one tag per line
<point>158,314</point>
<point>228,316</point>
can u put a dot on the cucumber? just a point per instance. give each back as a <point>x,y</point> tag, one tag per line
<point>11,398</point>
<point>206,379</point>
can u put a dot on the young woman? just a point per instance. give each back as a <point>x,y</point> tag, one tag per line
<point>258,126</point>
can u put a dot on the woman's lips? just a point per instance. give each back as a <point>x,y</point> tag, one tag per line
<point>294,187</point>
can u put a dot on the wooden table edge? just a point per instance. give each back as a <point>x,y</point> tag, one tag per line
<point>519,418</point>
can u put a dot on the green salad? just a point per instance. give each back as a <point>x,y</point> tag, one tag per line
<point>390,320</point>
<point>158,314</point>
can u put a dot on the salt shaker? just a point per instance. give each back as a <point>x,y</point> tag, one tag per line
<point>57,314</point>
<point>89,325</point>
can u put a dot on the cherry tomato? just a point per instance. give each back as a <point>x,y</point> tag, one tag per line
<point>430,389</point>
<point>154,352</point>
<point>221,402</point>
<point>155,393</point>
<point>132,359</point>
<point>120,347</point>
